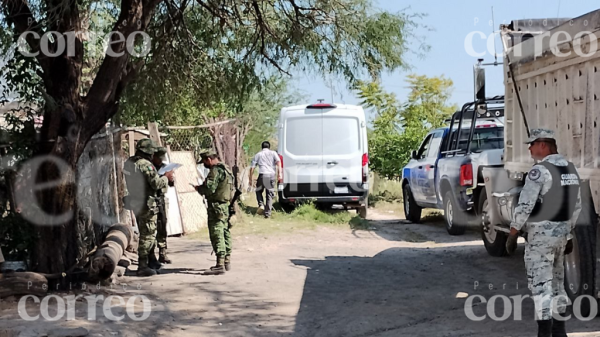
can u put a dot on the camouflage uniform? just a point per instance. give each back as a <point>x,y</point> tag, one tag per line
<point>217,189</point>
<point>162,220</point>
<point>143,185</point>
<point>546,240</point>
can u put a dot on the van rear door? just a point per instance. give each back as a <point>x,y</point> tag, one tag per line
<point>343,151</point>
<point>302,150</point>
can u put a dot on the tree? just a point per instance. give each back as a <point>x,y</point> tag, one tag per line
<point>215,46</point>
<point>261,112</point>
<point>399,128</point>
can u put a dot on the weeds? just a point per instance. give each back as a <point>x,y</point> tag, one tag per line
<point>303,217</point>
<point>384,191</point>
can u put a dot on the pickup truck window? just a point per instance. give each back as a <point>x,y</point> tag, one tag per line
<point>434,148</point>
<point>424,147</point>
<point>483,139</point>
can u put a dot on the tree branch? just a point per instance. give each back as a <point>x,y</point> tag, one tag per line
<point>104,94</point>
<point>19,13</point>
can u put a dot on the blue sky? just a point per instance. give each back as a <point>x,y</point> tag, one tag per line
<point>452,21</point>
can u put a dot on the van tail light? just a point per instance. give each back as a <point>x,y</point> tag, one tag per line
<point>365,167</point>
<point>321,106</point>
<point>466,175</point>
<point>281,173</point>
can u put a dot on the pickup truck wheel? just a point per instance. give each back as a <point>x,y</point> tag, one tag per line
<point>494,241</point>
<point>452,215</point>
<point>412,211</point>
<point>579,265</point>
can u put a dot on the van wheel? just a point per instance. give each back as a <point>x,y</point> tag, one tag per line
<point>452,215</point>
<point>579,265</point>
<point>412,211</point>
<point>493,240</point>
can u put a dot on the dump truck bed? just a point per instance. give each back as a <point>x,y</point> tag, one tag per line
<point>557,92</point>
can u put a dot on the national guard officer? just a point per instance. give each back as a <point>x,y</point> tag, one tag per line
<point>548,208</point>
<point>217,188</point>
<point>143,185</point>
<point>163,208</point>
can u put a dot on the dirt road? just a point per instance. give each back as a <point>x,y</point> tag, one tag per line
<point>398,279</point>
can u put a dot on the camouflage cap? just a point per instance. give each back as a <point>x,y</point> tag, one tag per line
<point>146,145</point>
<point>160,151</point>
<point>536,134</point>
<point>205,153</point>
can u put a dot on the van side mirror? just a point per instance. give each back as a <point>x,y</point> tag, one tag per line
<point>414,155</point>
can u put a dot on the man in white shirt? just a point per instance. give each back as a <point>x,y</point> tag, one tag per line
<point>268,166</point>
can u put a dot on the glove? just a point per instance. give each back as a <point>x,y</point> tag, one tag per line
<point>569,247</point>
<point>511,244</point>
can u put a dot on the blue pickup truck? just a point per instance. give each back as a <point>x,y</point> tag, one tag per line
<point>446,174</point>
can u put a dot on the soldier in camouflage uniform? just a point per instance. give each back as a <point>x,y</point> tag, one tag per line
<point>143,185</point>
<point>217,189</point>
<point>548,208</point>
<point>163,207</point>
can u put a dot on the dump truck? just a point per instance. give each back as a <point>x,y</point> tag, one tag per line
<point>551,80</point>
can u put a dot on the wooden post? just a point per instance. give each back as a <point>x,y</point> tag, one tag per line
<point>131,136</point>
<point>154,134</point>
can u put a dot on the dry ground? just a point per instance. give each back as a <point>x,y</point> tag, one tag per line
<point>395,279</point>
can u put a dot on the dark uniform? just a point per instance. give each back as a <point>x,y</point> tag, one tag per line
<point>217,189</point>
<point>143,186</point>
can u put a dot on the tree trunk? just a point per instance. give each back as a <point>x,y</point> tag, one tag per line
<point>61,237</point>
<point>70,121</point>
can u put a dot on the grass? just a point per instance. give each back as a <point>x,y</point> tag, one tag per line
<point>385,195</point>
<point>304,217</point>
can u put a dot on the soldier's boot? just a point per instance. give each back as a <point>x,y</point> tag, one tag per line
<point>220,267</point>
<point>162,256</point>
<point>144,270</point>
<point>153,262</point>
<point>545,328</point>
<point>558,328</point>
<point>228,262</point>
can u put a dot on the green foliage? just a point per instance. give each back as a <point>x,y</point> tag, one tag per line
<point>16,237</point>
<point>261,112</point>
<point>384,191</point>
<point>399,128</point>
<point>213,60</point>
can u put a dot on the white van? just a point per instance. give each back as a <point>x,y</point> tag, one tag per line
<point>324,153</point>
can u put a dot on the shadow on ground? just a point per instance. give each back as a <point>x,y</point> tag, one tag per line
<point>431,229</point>
<point>412,292</point>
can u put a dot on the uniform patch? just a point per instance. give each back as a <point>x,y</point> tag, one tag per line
<point>534,174</point>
